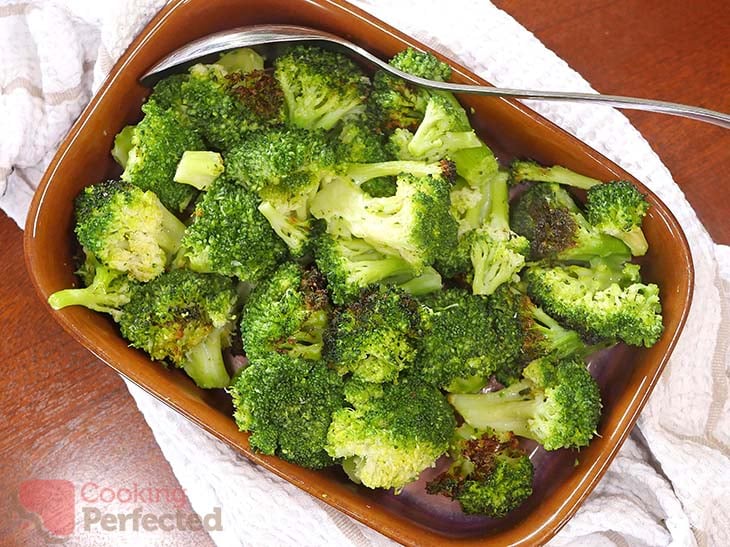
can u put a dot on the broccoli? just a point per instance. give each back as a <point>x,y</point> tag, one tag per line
<point>285,167</point>
<point>123,145</point>
<point>320,87</point>
<point>601,301</point>
<point>106,290</point>
<point>490,473</point>
<point>361,173</point>
<point>443,130</point>
<point>127,229</point>
<point>557,404</point>
<point>549,218</point>
<point>287,313</point>
<point>287,405</point>
<point>230,236</point>
<point>376,336</point>
<point>618,209</point>
<point>158,143</point>
<point>399,104</point>
<point>185,317</point>
<point>543,336</point>
<point>497,253</point>
<point>531,171</point>
<point>415,223</point>
<point>456,315</point>
<point>392,433</point>
<point>199,169</point>
<point>167,93</point>
<point>351,264</point>
<point>224,105</point>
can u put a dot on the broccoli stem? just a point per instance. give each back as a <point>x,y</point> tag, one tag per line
<point>294,232</point>
<point>505,410</point>
<point>523,171</point>
<point>243,59</point>
<point>561,342</point>
<point>634,240</point>
<point>92,297</point>
<point>429,281</point>
<point>204,363</point>
<point>199,168</point>
<point>122,145</point>
<point>498,216</point>
<point>362,172</point>
<point>171,234</point>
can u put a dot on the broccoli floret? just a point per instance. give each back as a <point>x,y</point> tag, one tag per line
<point>557,404</point>
<point>230,236</point>
<point>106,290</point>
<point>497,253</point>
<point>443,130</point>
<point>285,167</point>
<point>287,313</point>
<point>167,93</point>
<point>531,171</point>
<point>199,168</point>
<point>618,209</point>
<point>505,308</point>
<point>375,337</point>
<point>320,87</point>
<point>601,301</point>
<point>549,218</point>
<point>490,474</point>
<point>415,223</point>
<point>127,229</point>
<point>287,404</point>
<point>456,315</point>
<point>391,434</point>
<point>543,336</point>
<point>399,104</point>
<point>351,264</point>
<point>123,145</point>
<point>158,143</point>
<point>223,106</point>
<point>184,317</point>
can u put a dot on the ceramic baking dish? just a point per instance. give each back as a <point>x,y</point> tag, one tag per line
<point>626,375</point>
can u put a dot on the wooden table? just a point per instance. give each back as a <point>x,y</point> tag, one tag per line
<point>67,416</point>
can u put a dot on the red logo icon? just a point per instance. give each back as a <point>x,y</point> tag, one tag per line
<point>51,502</point>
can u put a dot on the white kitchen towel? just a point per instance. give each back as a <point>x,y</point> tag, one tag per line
<point>669,483</point>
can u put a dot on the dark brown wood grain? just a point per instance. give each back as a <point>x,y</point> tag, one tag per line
<point>67,416</point>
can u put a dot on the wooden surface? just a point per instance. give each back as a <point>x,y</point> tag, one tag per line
<point>67,416</point>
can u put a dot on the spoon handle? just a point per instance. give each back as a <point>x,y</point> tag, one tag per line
<point>630,103</point>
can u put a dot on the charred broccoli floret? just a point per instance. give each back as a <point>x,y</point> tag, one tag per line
<point>549,218</point>
<point>230,236</point>
<point>490,474</point>
<point>127,228</point>
<point>375,337</point>
<point>287,313</point>
<point>287,404</point>
<point>392,432</point>
<point>557,404</point>
<point>184,317</point>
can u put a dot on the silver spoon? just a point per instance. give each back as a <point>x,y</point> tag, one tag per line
<point>271,36</point>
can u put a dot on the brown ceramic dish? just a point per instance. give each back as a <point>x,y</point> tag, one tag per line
<point>626,375</point>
